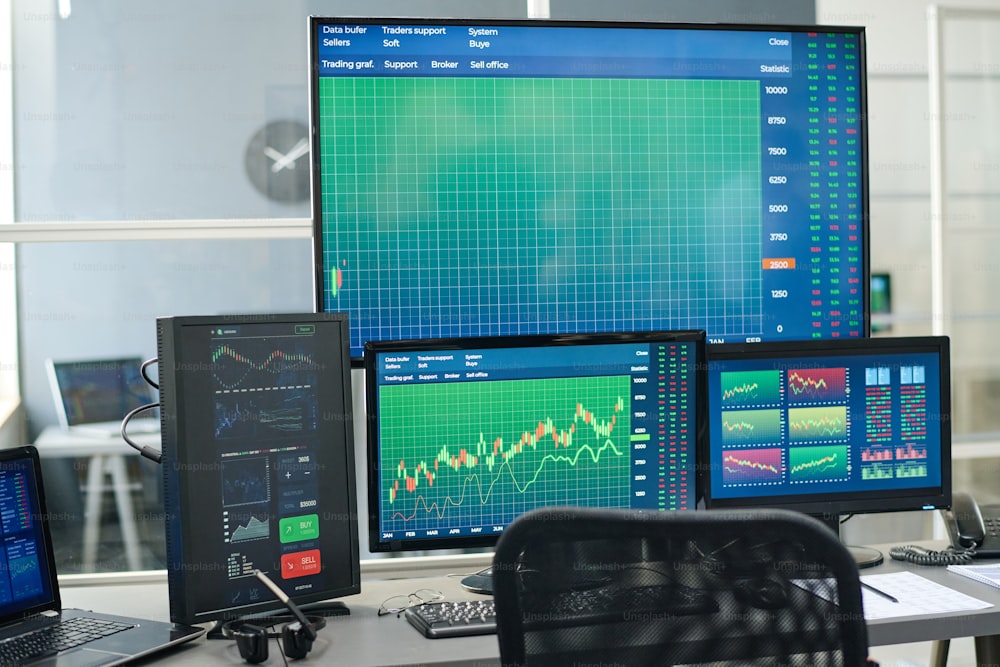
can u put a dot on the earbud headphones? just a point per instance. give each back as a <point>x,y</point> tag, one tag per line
<point>297,634</point>
<point>252,636</point>
<point>912,553</point>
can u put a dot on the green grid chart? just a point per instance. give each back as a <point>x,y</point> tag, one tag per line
<point>750,388</point>
<point>472,206</point>
<point>826,463</point>
<point>468,454</point>
<point>750,427</point>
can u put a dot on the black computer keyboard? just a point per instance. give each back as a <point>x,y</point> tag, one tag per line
<point>454,618</point>
<point>52,639</point>
<point>608,604</point>
<point>605,604</point>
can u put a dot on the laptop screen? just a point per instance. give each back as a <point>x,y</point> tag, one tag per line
<point>97,390</point>
<point>27,573</point>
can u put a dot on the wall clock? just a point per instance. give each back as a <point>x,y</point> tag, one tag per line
<point>277,161</point>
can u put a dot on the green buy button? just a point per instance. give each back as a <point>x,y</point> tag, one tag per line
<point>299,528</point>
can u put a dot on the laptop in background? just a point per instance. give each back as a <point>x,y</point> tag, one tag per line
<point>30,608</point>
<point>93,395</point>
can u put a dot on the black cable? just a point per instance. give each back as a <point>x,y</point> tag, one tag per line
<point>281,650</point>
<point>150,453</point>
<point>145,376</point>
<point>912,553</point>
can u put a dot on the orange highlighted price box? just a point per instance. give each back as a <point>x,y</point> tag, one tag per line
<point>779,263</point>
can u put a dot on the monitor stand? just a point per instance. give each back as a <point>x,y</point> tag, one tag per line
<point>863,556</point>
<point>326,608</point>
<point>480,582</point>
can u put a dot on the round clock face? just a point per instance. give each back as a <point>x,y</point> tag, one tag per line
<point>277,161</point>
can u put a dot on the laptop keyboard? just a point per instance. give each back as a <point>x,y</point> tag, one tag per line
<point>58,637</point>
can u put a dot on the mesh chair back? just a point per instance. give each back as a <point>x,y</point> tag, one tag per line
<point>578,586</point>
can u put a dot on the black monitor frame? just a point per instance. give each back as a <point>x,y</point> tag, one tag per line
<point>233,455</point>
<point>590,368</point>
<point>812,222</point>
<point>831,506</point>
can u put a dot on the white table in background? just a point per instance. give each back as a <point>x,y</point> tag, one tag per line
<point>106,456</point>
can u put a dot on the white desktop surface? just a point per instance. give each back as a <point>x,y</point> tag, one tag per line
<point>364,638</point>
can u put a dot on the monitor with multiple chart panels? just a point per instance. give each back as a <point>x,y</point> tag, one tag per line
<point>515,177</point>
<point>258,462</point>
<point>466,434</point>
<point>830,427</point>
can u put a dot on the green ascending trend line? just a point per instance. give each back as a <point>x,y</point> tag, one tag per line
<point>822,462</point>
<point>818,463</point>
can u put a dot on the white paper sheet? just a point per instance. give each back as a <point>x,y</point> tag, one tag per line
<point>917,596</point>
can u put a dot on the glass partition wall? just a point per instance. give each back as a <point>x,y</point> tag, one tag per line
<point>964,107</point>
<point>133,196</point>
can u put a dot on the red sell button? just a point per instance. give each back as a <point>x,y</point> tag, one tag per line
<point>300,564</point>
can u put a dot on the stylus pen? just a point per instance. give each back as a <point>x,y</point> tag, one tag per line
<point>876,591</point>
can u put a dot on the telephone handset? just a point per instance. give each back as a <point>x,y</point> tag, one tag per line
<point>972,526</point>
<point>974,532</point>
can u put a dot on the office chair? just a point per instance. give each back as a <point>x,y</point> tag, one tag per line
<point>735,587</point>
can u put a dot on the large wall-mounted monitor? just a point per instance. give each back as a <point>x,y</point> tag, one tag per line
<point>830,428</point>
<point>476,177</point>
<point>258,459</point>
<point>466,434</point>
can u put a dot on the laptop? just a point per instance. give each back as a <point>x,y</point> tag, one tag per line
<point>30,608</point>
<point>93,395</point>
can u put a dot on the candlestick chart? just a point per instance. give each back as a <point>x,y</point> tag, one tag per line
<point>264,387</point>
<point>477,454</point>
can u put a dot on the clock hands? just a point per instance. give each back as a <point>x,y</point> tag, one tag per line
<point>273,154</point>
<point>272,160</point>
<point>287,160</point>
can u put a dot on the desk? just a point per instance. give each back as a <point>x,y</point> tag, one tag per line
<point>364,638</point>
<point>106,457</point>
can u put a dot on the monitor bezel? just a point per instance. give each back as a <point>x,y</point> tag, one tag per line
<point>372,348</point>
<point>319,269</point>
<point>832,505</point>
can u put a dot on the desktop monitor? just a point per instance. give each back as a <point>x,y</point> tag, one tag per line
<point>482,177</point>
<point>258,461</point>
<point>830,428</point>
<point>465,434</point>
